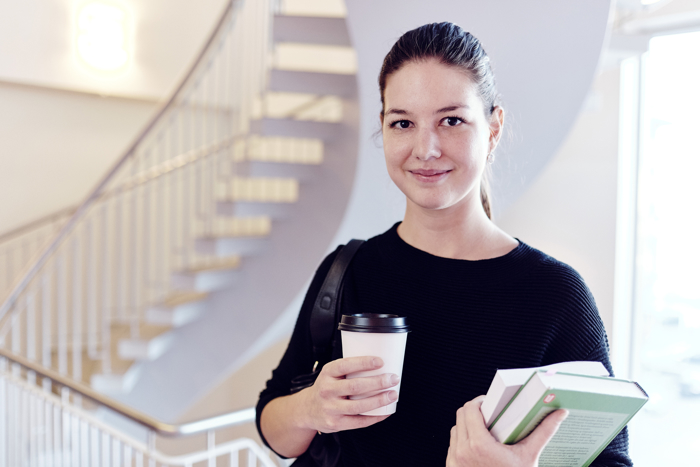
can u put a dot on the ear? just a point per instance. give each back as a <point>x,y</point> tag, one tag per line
<point>496,127</point>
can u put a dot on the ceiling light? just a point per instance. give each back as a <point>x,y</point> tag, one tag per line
<point>102,36</point>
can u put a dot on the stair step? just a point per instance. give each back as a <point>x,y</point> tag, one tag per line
<point>178,309</point>
<point>208,276</point>
<point>143,348</point>
<point>312,82</point>
<point>282,150</point>
<point>310,30</point>
<point>115,383</point>
<point>250,208</point>
<point>300,172</point>
<point>300,128</point>
<point>315,58</point>
<point>231,246</point>
<point>263,189</point>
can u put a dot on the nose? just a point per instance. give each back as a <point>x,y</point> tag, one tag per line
<point>427,145</point>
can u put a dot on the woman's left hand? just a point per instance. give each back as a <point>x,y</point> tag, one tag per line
<point>471,444</point>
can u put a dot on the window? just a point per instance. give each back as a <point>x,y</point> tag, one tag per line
<point>665,295</point>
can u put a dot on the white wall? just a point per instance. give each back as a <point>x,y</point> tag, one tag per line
<point>569,212</point>
<point>56,145</point>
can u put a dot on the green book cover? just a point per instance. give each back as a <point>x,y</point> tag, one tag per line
<point>598,409</point>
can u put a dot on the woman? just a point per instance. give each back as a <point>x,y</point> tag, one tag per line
<point>476,298</point>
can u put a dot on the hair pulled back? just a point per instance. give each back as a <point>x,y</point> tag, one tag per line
<point>453,46</point>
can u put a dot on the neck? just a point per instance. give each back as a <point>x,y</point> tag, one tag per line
<point>458,232</point>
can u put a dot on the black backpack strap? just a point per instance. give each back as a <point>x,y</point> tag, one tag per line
<point>323,316</point>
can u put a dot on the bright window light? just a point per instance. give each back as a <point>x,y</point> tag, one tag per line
<point>667,278</point>
<point>102,39</point>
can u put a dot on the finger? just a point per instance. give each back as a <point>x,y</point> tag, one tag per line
<point>539,438</point>
<point>355,407</point>
<point>474,420</point>
<point>345,366</point>
<point>460,429</point>
<point>359,386</point>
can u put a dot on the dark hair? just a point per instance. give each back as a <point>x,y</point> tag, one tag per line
<point>453,46</point>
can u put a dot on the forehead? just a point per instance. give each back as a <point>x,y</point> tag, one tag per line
<point>430,84</point>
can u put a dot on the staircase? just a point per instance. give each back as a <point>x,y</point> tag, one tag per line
<point>256,146</point>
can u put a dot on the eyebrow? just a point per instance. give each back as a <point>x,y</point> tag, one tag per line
<point>449,108</point>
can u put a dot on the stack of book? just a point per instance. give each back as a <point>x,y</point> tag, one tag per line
<point>599,408</point>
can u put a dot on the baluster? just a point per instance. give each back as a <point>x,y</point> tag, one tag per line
<point>84,444</point>
<point>75,441</point>
<point>41,430</point>
<point>211,444</point>
<point>31,432</point>
<point>105,450</point>
<point>16,324</point>
<point>66,429</point>
<point>127,454</point>
<point>116,453</point>
<point>62,317</point>
<point>139,459</point>
<point>15,427</point>
<point>77,305</point>
<point>106,294</point>
<point>46,324</point>
<point>90,276</point>
<point>134,252</point>
<point>185,193</point>
<point>49,435</point>
<point>31,328</point>
<point>233,458</point>
<point>57,450</point>
<point>118,258</point>
<point>252,458</point>
<point>4,414</point>
<point>146,280</point>
<point>151,447</point>
<point>94,446</point>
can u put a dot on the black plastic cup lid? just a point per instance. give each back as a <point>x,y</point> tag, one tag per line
<point>373,322</point>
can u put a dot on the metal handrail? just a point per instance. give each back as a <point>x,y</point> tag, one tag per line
<point>230,419</point>
<point>37,223</point>
<point>94,196</point>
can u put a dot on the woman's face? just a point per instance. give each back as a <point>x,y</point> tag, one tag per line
<point>436,135</point>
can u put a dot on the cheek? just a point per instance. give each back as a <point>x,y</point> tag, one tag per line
<point>395,153</point>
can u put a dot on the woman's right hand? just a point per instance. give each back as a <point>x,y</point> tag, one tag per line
<point>327,405</point>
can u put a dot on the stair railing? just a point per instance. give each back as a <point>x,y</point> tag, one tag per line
<point>37,427</point>
<point>19,246</point>
<point>113,258</point>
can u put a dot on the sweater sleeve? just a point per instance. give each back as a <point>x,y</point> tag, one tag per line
<point>298,358</point>
<point>580,335</point>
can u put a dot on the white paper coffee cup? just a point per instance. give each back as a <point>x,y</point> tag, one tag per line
<point>375,335</point>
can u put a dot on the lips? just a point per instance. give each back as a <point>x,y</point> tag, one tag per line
<point>429,175</point>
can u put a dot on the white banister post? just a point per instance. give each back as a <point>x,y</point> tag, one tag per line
<point>77,315</point>
<point>211,444</point>
<point>61,286</point>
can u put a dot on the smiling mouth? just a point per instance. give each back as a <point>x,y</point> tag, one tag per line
<point>429,173</point>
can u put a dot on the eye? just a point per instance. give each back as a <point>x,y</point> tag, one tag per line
<point>403,124</point>
<point>452,121</point>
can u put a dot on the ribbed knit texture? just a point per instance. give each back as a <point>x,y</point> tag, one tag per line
<point>468,319</point>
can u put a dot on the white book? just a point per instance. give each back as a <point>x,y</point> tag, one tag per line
<point>507,382</point>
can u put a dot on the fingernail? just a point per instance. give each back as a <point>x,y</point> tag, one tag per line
<point>394,379</point>
<point>377,361</point>
<point>393,395</point>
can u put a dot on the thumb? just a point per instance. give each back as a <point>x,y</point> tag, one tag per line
<point>539,438</point>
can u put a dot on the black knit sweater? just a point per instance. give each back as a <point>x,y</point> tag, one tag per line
<point>468,319</point>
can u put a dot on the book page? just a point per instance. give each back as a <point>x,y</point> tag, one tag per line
<point>578,438</point>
